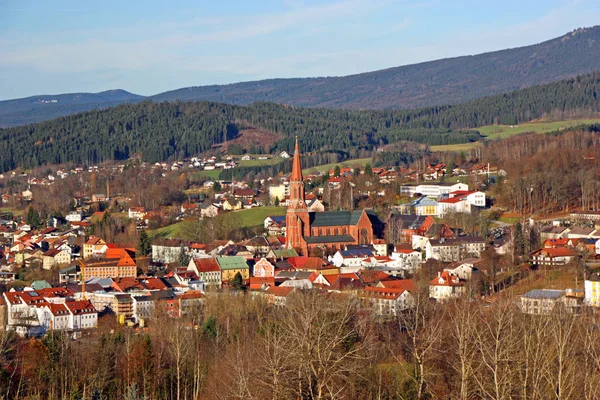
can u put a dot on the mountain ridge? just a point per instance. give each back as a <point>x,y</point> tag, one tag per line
<point>431,83</point>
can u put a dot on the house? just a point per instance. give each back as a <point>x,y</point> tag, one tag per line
<point>94,247</point>
<point>207,270</point>
<point>432,190</point>
<point>403,227</point>
<point>592,290</point>
<point>446,286</point>
<point>552,256</point>
<point>451,250</point>
<point>554,232</point>
<point>407,258</point>
<point>263,269</point>
<point>351,259</point>
<point>209,211</point>
<point>257,283</point>
<point>118,263</point>
<point>275,225</point>
<point>421,206</point>
<point>278,295</point>
<point>545,301</point>
<point>231,265</point>
<point>232,205</point>
<point>380,246</point>
<point>388,302</point>
<point>464,269</point>
<point>55,257</point>
<point>136,213</point>
<point>166,251</point>
<point>98,197</point>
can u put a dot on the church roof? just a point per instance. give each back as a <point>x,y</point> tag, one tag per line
<point>329,239</point>
<point>334,218</point>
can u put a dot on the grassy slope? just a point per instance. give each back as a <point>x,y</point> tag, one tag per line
<point>328,167</point>
<point>256,216</point>
<point>248,218</point>
<point>492,132</point>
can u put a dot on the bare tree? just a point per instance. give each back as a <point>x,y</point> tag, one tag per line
<point>423,328</point>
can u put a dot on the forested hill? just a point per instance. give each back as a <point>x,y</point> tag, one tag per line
<point>447,81</point>
<point>160,131</point>
<point>43,107</point>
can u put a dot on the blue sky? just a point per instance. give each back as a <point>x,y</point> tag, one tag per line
<point>147,47</point>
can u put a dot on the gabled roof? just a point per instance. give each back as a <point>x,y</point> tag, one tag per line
<point>382,293</point>
<point>206,265</point>
<point>232,262</point>
<point>81,307</point>
<point>556,252</point>
<point>335,218</point>
<point>544,294</point>
<point>329,239</point>
<point>279,291</point>
<point>369,276</point>
<point>446,279</point>
<point>404,284</point>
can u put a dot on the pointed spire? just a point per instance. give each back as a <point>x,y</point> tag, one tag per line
<point>296,166</point>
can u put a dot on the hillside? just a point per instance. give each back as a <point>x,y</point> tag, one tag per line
<point>40,108</point>
<point>446,81</point>
<point>162,131</point>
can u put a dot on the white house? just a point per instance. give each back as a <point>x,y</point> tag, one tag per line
<point>464,269</point>
<point>388,302</point>
<point>136,213</point>
<point>446,286</point>
<point>407,259</point>
<point>350,258</point>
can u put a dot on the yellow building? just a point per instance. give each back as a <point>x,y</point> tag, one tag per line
<point>119,263</point>
<point>592,290</point>
<point>230,266</point>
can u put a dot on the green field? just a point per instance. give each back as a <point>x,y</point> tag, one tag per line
<point>200,175</point>
<point>344,164</point>
<point>256,216</point>
<point>492,132</point>
<point>248,218</point>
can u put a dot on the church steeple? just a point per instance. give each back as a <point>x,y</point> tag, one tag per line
<point>297,218</point>
<point>296,166</point>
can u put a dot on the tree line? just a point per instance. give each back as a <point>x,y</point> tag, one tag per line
<point>317,347</point>
<point>163,131</point>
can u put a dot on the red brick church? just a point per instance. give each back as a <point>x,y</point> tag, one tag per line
<point>329,229</point>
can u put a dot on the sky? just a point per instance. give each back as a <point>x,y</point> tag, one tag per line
<point>148,47</point>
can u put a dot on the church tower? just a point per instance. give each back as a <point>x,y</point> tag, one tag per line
<point>297,219</point>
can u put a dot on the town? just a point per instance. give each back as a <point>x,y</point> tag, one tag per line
<point>300,200</point>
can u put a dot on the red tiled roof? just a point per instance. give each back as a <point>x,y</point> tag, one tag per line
<point>446,280</point>
<point>372,276</point>
<point>81,307</point>
<point>404,284</point>
<point>382,293</point>
<point>206,264</point>
<point>557,252</point>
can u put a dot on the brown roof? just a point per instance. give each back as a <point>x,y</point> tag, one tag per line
<point>404,284</point>
<point>206,264</point>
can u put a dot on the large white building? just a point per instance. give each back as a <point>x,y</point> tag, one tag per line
<point>433,189</point>
<point>35,312</point>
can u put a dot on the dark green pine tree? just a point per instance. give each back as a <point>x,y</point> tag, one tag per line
<point>33,217</point>
<point>238,282</point>
<point>184,259</point>
<point>144,244</point>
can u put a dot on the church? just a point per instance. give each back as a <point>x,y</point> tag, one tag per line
<point>331,230</point>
